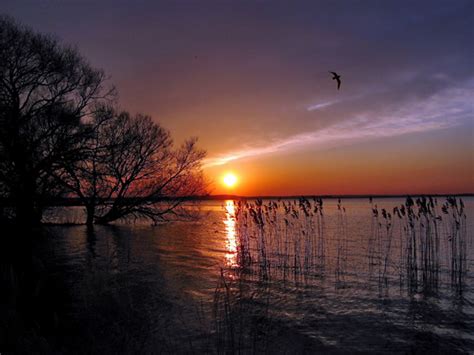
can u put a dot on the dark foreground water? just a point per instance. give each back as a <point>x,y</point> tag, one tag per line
<point>183,287</point>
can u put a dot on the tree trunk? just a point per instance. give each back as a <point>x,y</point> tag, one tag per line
<point>26,213</point>
<point>112,215</point>
<point>90,209</point>
<point>27,210</point>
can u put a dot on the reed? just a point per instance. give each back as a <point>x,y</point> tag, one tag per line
<point>283,236</point>
<point>289,238</point>
<point>420,244</point>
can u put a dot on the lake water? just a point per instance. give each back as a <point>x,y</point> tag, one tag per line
<point>185,287</point>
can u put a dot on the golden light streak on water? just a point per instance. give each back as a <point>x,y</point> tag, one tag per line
<point>231,234</point>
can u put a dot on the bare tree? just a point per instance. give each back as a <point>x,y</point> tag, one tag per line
<point>46,91</point>
<point>132,169</point>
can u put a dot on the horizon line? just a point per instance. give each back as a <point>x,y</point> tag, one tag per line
<point>231,196</point>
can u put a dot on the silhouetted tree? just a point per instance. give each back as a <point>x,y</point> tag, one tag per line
<point>47,91</point>
<point>132,169</point>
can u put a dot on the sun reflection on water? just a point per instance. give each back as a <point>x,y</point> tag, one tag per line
<point>231,234</point>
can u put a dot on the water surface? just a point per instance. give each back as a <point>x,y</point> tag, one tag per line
<point>182,287</point>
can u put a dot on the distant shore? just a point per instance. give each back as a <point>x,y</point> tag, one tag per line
<point>76,202</point>
<point>271,197</point>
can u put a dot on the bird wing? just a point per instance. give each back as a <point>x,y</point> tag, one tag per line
<point>333,73</point>
<point>338,83</point>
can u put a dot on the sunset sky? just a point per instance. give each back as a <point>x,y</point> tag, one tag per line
<point>250,79</point>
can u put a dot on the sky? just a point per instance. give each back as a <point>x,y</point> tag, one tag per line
<point>251,80</point>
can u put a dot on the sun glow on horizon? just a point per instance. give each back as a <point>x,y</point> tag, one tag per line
<point>230,180</point>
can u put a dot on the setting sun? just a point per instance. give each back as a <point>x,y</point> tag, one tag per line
<point>230,180</point>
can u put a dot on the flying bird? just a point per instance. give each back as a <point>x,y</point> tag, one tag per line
<point>337,78</point>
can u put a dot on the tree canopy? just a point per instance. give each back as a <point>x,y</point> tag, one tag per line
<point>60,135</point>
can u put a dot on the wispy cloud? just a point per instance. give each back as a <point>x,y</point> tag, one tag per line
<point>447,108</point>
<point>321,105</point>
